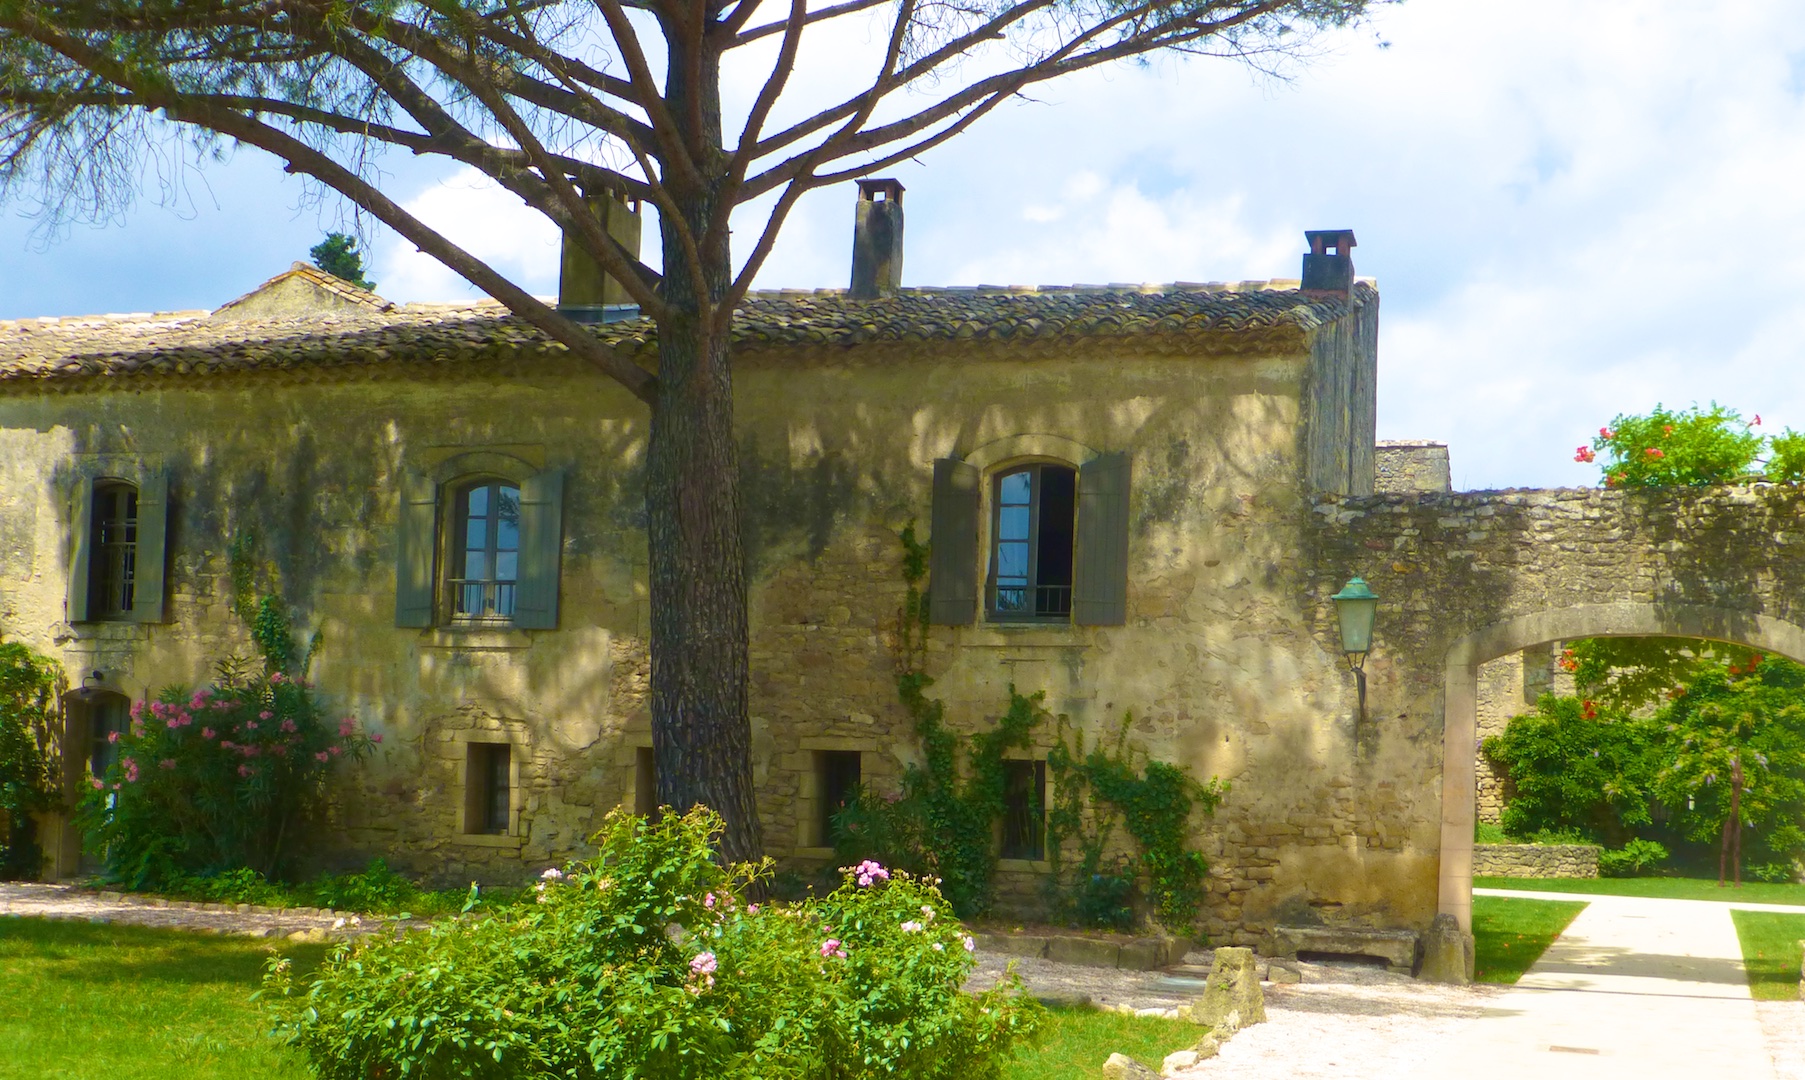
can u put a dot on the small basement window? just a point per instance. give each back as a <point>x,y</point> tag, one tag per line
<point>1024,809</point>
<point>645,784</point>
<point>837,781</point>
<point>488,798</point>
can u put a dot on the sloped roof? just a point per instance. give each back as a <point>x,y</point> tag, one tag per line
<point>323,291</point>
<point>200,342</point>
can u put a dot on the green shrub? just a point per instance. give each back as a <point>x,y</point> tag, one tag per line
<point>1675,449</point>
<point>1489,832</point>
<point>1634,859</point>
<point>1786,457</point>
<point>223,778</point>
<point>28,687</point>
<point>1576,772</point>
<point>647,963</point>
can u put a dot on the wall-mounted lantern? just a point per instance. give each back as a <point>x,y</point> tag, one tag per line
<point>91,686</point>
<point>1356,607</point>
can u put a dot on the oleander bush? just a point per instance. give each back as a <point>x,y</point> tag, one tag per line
<point>648,963</point>
<point>222,778</point>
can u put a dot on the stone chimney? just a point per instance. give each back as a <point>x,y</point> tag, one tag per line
<point>1329,267</point>
<point>877,240</point>
<point>585,293</point>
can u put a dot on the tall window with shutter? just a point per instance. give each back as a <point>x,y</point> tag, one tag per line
<point>1058,548</point>
<point>119,530</point>
<point>480,549</point>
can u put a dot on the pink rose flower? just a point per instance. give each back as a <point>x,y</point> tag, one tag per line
<point>832,947</point>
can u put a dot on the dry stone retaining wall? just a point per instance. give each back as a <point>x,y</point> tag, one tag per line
<point>1536,860</point>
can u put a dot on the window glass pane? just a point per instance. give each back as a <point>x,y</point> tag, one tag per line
<point>1012,600</point>
<point>476,534</point>
<point>507,509</point>
<point>476,565</point>
<point>1015,488</point>
<point>479,501</point>
<point>1012,563</point>
<point>1058,502</point>
<point>507,566</point>
<point>1012,523</point>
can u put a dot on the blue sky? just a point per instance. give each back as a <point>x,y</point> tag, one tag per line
<point>1574,208</point>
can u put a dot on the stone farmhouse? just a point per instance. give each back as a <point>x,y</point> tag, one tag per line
<point>1140,498</point>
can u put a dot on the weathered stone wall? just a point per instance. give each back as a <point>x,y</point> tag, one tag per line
<point>1221,670</point>
<point>1536,860</point>
<point>1403,466</point>
<point>1465,578</point>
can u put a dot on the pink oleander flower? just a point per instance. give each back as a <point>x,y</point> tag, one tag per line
<point>832,947</point>
<point>322,756</point>
<point>138,728</point>
<point>376,738</point>
<point>95,783</point>
<point>166,763</point>
<point>265,715</point>
<point>346,727</point>
<point>276,678</point>
<point>198,701</point>
<point>137,709</point>
<point>208,733</point>
<point>131,771</point>
<point>250,725</point>
<point>289,725</point>
<point>112,736</point>
<point>279,749</point>
<point>245,770</point>
<point>333,750</point>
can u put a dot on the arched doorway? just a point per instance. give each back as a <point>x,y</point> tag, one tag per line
<point>1460,698</point>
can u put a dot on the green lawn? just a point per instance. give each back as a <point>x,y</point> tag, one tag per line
<point>1075,1043</point>
<point>1509,935</point>
<point>1752,892</point>
<point>80,1001</point>
<point>1770,952</point>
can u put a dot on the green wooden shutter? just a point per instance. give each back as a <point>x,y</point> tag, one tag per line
<point>953,564</point>
<point>416,541</point>
<point>541,548</point>
<point>81,539</point>
<point>151,556</point>
<point>1100,593</point>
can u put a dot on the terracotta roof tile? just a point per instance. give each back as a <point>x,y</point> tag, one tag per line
<point>190,342</point>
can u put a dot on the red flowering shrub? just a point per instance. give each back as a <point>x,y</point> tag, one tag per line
<point>1676,449</point>
<point>221,777</point>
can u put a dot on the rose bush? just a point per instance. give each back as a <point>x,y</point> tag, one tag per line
<point>648,963</point>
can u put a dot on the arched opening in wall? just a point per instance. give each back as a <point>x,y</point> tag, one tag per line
<point>1613,695</point>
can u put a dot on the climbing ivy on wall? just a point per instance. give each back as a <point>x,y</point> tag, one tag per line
<point>942,823</point>
<point>946,824</point>
<point>1099,789</point>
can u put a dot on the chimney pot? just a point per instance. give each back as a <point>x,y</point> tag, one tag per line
<point>877,240</point>
<point>586,293</point>
<point>1329,267</point>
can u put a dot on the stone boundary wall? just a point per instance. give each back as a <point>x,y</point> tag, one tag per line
<point>1536,860</point>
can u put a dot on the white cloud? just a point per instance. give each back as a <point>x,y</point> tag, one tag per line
<point>483,219</point>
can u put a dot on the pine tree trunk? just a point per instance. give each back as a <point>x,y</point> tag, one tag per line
<point>701,729</point>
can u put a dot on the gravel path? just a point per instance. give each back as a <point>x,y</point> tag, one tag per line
<point>243,920</point>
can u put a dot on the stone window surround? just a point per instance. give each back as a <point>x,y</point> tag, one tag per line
<point>808,796</point>
<point>466,466</point>
<point>519,746</point>
<point>1036,866</point>
<point>992,459</point>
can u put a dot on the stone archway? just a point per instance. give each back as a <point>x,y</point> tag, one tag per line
<point>1461,698</point>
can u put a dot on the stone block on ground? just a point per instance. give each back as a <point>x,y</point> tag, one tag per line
<point>1283,971</point>
<point>1088,952</point>
<point>1150,954</point>
<point>1398,948</point>
<point>1123,1067</point>
<point>1232,998</point>
<point>1447,953</point>
<point>1034,945</point>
